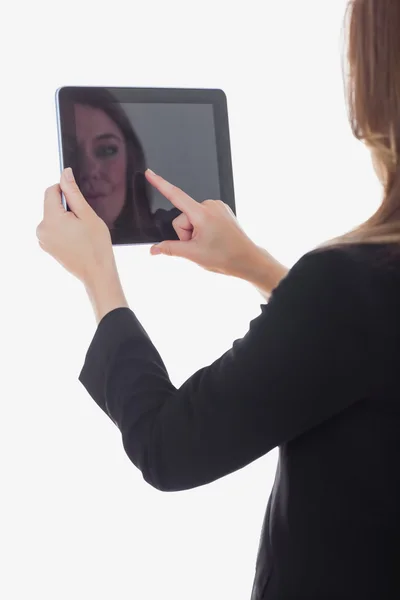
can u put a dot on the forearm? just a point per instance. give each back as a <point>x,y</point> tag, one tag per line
<point>105,291</point>
<point>263,271</point>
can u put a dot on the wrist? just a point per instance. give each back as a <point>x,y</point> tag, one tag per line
<point>262,270</point>
<point>104,289</point>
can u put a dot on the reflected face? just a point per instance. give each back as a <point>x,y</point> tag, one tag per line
<point>102,161</point>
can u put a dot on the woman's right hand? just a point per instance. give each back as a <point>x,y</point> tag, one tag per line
<point>210,235</point>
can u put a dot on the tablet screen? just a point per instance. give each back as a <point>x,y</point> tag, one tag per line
<point>109,142</point>
<point>180,143</point>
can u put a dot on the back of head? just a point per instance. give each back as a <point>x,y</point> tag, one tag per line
<point>372,29</point>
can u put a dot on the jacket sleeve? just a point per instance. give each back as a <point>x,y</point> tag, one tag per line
<point>303,360</point>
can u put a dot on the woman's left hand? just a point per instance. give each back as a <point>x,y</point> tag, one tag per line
<point>78,239</point>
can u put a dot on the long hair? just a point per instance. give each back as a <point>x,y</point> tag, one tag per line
<point>135,213</point>
<point>372,86</point>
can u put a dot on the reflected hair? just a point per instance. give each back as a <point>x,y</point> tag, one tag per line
<point>136,210</point>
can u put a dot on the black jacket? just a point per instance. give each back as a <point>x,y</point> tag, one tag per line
<point>317,375</point>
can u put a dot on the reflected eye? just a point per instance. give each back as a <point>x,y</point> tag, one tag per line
<point>106,151</point>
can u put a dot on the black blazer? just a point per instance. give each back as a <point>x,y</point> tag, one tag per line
<point>318,375</point>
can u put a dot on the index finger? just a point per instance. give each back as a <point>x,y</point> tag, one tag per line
<point>175,195</point>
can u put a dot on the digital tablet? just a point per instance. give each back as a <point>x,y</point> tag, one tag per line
<point>110,136</point>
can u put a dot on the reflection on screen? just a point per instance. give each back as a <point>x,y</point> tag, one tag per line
<point>115,143</point>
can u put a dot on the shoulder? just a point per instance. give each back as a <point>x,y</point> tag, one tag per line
<point>325,280</point>
<point>364,258</point>
<point>335,257</point>
<point>338,265</point>
<point>349,266</point>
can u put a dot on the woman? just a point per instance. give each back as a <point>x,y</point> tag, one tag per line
<point>316,375</point>
<point>109,163</point>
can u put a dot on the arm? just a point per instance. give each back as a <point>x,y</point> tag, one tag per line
<point>104,290</point>
<point>263,271</point>
<point>303,360</point>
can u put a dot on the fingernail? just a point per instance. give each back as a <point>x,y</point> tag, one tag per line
<point>69,176</point>
<point>150,172</point>
<point>155,250</point>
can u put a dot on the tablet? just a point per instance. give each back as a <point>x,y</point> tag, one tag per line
<point>110,136</point>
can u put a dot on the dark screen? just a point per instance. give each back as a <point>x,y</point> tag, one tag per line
<point>179,144</point>
<point>110,142</point>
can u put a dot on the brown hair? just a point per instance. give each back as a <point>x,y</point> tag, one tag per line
<point>372,82</point>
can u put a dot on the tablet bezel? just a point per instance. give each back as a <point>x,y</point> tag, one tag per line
<point>215,97</point>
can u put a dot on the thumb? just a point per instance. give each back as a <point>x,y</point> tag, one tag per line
<point>75,200</point>
<point>174,248</point>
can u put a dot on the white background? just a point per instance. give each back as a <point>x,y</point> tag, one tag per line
<point>77,520</point>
